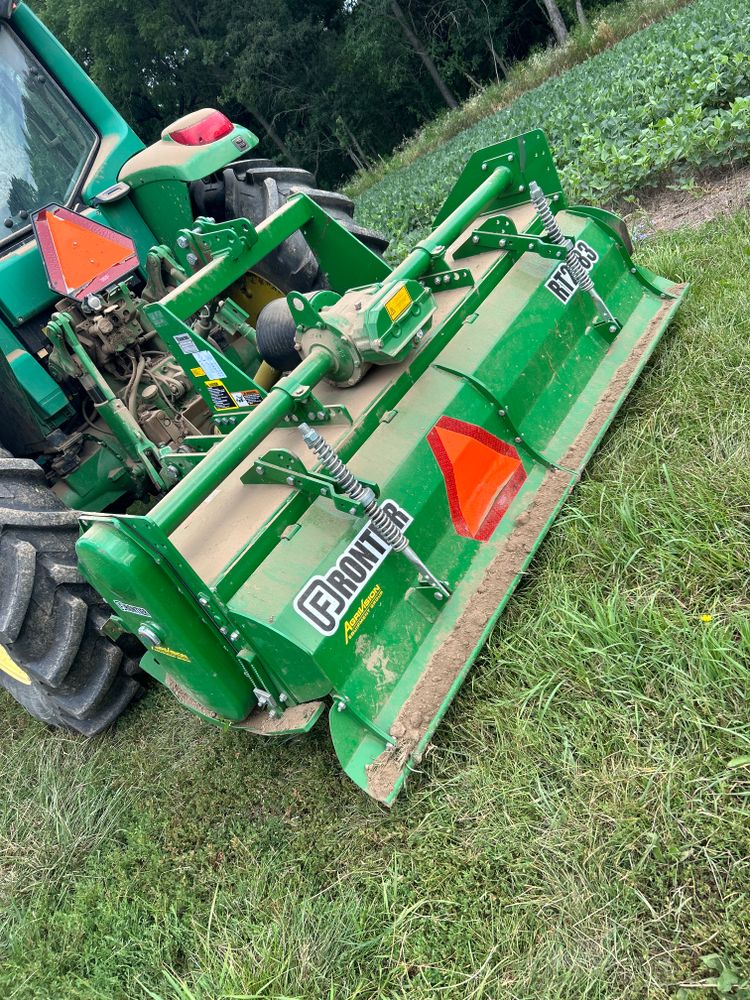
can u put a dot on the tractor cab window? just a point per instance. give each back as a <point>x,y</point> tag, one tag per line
<point>44,141</point>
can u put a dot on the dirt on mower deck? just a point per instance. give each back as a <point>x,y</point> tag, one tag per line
<point>446,665</point>
<point>666,209</point>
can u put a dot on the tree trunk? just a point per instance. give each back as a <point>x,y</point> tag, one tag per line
<point>424,55</point>
<point>270,131</point>
<point>581,14</point>
<point>556,21</point>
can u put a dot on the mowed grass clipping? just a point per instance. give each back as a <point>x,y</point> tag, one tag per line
<point>667,102</point>
<point>579,828</point>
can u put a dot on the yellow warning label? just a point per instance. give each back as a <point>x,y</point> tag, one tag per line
<point>221,398</point>
<point>166,651</point>
<point>9,666</point>
<point>351,625</point>
<point>198,372</point>
<point>398,304</point>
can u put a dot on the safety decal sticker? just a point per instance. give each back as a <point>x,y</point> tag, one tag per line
<point>166,651</point>
<point>186,343</point>
<point>324,600</point>
<point>561,283</point>
<point>398,304</point>
<point>198,372</point>
<point>247,397</point>
<point>209,364</point>
<point>133,609</point>
<point>221,398</point>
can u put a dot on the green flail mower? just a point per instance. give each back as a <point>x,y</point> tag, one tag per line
<point>345,467</point>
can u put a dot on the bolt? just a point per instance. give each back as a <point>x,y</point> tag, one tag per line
<point>191,259</point>
<point>323,491</point>
<point>203,601</point>
<point>518,440</point>
<point>223,630</point>
<point>352,510</point>
<point>455,277</point>
<point>633,270</point>
<point>341,707</point>
<point>503,243</point>
<point>172,471</point>
<point>259,470</point>
<point>501,413</point>
<point>320,415</point>
<point>613,329</point>
<point>438,596</point>
<point>182,242</point>
<point>474,239</point>
<point>234,636</point>
<point>484,166</point>
<point>311,415</point>
<point>438,281</point>
<point>521,188</point>
<point>556,197</point>
<point>283,696</point>
<point>290,480</point>
<point>531,246</point>
<point>511,157</point>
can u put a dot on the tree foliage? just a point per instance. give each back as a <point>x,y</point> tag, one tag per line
<point>327,84</point>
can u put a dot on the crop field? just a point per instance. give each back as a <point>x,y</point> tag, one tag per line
<point>580,829</point>
<point>665,103</point>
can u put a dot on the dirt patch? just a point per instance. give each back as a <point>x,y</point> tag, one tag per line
<point>447,663</point>
<point>720,193</point>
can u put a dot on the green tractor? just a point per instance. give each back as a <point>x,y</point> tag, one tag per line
<point>303,481</point>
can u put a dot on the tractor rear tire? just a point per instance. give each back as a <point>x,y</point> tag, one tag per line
<point>54,658</point>
<point>255,189</point>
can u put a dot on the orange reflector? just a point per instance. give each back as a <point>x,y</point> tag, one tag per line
<point>482,475</point>
<point>81,257</point>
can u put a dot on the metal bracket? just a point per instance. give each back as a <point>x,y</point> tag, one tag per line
<point>344,705</point>
<point>443,281</point>
<point>511,433</point>
<point>500,233</point>
<point>309,409</point>
<point>279,466</point>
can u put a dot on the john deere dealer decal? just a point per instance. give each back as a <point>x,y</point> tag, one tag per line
<point>561,283</point>
<point>325,600</point>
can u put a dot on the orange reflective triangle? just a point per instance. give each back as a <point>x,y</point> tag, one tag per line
<point>83,254</point>
<point>479,474</point>
<point>80,255</point>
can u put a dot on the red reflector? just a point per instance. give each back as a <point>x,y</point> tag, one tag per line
<point>482,475</point>
<point>214,126</point>
<point>81,257</point>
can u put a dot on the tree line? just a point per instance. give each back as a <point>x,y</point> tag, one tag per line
<point>331,85</point>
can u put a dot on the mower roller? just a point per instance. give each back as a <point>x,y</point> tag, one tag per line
<point>349,539</point>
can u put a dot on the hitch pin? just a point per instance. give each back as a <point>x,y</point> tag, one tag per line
<point>385,527</point>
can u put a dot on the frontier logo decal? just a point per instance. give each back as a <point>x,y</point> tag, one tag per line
<point>561,284</point>
<point>324,600</point>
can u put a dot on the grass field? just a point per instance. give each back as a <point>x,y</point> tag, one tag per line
<point>580,828</point>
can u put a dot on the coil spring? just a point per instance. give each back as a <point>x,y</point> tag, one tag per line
<point>554,232</point>
<point>381,522</point>
<point>545,214</point>
<point>346,479</point>
<point>385,527</point>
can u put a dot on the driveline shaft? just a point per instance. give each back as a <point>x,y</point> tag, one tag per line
<point>384,526</point>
